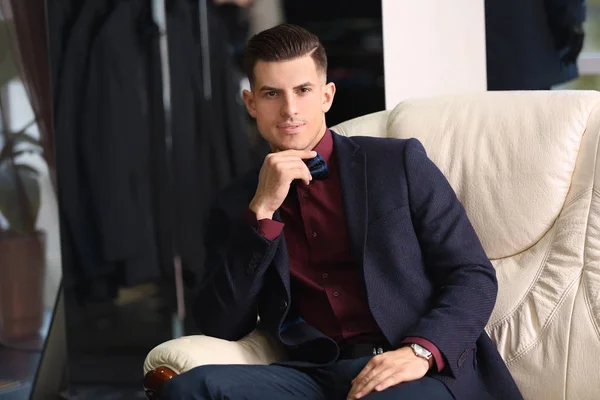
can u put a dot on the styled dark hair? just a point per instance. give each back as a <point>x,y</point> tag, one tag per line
<point>281,43</point>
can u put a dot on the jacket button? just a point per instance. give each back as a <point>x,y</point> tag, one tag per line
<point>283,305</point>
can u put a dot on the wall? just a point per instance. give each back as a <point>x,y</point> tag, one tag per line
<point>433,47</point>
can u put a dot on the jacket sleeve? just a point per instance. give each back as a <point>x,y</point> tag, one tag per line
<point>464,278</point>
<point>236,261</point>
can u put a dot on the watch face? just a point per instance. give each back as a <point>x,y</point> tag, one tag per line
<point>421,351</point>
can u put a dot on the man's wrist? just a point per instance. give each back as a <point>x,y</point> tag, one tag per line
<point>430,360</point>
<point>416,357</point>
<point>260,211</point>
<point>438,359</point>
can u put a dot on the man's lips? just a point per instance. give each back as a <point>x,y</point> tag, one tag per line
<point>290,128</point>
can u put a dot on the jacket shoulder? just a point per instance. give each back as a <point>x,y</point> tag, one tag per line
<point>384,148</point>
<point>368,142</point>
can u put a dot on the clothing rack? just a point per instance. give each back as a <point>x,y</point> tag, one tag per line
<point>159,13</point>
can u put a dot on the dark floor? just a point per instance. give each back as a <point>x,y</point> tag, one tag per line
<point>82,392</point>
<point>107,347</point>
<point>17,369</point>
<point>108,342</point>
<point>14,390</point>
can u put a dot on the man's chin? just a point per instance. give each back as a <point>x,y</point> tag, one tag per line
<point>290,145</point>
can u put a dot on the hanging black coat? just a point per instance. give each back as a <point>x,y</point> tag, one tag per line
<point>132,193</point>
<point>103,148</point>
<point>210,145</point>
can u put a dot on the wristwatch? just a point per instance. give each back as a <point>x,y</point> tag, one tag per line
<point>421,351</point>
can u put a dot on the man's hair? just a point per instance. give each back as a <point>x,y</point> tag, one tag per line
<point>282,43</point>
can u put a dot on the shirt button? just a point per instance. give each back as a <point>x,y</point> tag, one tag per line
<point>325,275</point>
<point>336,294</point>
<point>305,195</point>
<point>314,234</point>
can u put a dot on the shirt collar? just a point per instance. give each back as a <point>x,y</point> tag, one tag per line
<point>325,146</point>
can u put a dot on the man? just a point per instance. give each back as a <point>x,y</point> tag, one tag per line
<point>354,252</point>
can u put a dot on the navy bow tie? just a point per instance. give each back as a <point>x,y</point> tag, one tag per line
<point>317,167</point>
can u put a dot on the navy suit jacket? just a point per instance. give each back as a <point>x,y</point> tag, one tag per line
<point>424,269</point>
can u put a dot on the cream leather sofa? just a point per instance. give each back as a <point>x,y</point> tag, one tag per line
<point>526,166</point>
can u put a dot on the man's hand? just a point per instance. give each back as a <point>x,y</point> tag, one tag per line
<point>388,369</point>
<point>278,172</point>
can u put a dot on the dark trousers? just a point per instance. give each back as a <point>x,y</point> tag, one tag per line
<point>281,382</point>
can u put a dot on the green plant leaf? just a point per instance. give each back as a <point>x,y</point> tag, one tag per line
<point>11,205</point>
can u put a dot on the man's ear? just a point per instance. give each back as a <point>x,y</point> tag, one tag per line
<point>328,95</point>
<point>249,101</point>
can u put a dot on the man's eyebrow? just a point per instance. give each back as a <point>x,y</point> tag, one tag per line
<point>305,84</point>
<point>270,88</point>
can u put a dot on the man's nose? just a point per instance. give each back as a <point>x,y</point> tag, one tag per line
<point>288,108</point>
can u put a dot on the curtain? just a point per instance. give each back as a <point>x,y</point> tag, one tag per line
<point>26,23</point>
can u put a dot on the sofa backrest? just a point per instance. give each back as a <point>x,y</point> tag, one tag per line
<point>526,167</point>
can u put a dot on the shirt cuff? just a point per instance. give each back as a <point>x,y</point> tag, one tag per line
<point>437,355</point>
<point>267,228</point>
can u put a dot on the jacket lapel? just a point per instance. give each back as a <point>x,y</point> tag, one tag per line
<point>353,181</point>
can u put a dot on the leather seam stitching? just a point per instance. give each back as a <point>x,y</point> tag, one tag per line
<point>531,285</point>
<point>583,285</point>
<point>569,335</point>
<point>586,296</point>
<point>588,304</point>
<point>565,205</point>
<point>547,324</point>
<point>541,267</point>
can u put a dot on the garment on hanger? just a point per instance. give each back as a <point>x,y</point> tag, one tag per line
<point>210,145</point>
<point>127,199</point>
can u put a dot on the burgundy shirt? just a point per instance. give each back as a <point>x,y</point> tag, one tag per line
<point>326,285</point>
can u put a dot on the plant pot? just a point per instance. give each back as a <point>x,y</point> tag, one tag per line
<point>22,275</point>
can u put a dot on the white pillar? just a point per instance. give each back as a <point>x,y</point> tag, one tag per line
<point>433,47</point>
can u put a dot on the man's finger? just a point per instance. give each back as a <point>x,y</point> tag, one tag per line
<point>375,381</point>
<point>372,369</point>
<point>373,362</point>
<point>304,154</point>
<point>298,173</point>
<point>273,161</point>
<point>291,163</point>
<point>390,381</point>
<point>360,380</point>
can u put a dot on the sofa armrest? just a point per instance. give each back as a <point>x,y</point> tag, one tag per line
<point>180,355</point>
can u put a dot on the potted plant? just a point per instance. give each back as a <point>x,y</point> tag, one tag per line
<point>22,246</point>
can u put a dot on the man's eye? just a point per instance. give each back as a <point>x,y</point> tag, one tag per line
<point>271,94</point>
<point>305,90</point>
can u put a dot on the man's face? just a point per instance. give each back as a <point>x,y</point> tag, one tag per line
<point>289,100</point>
